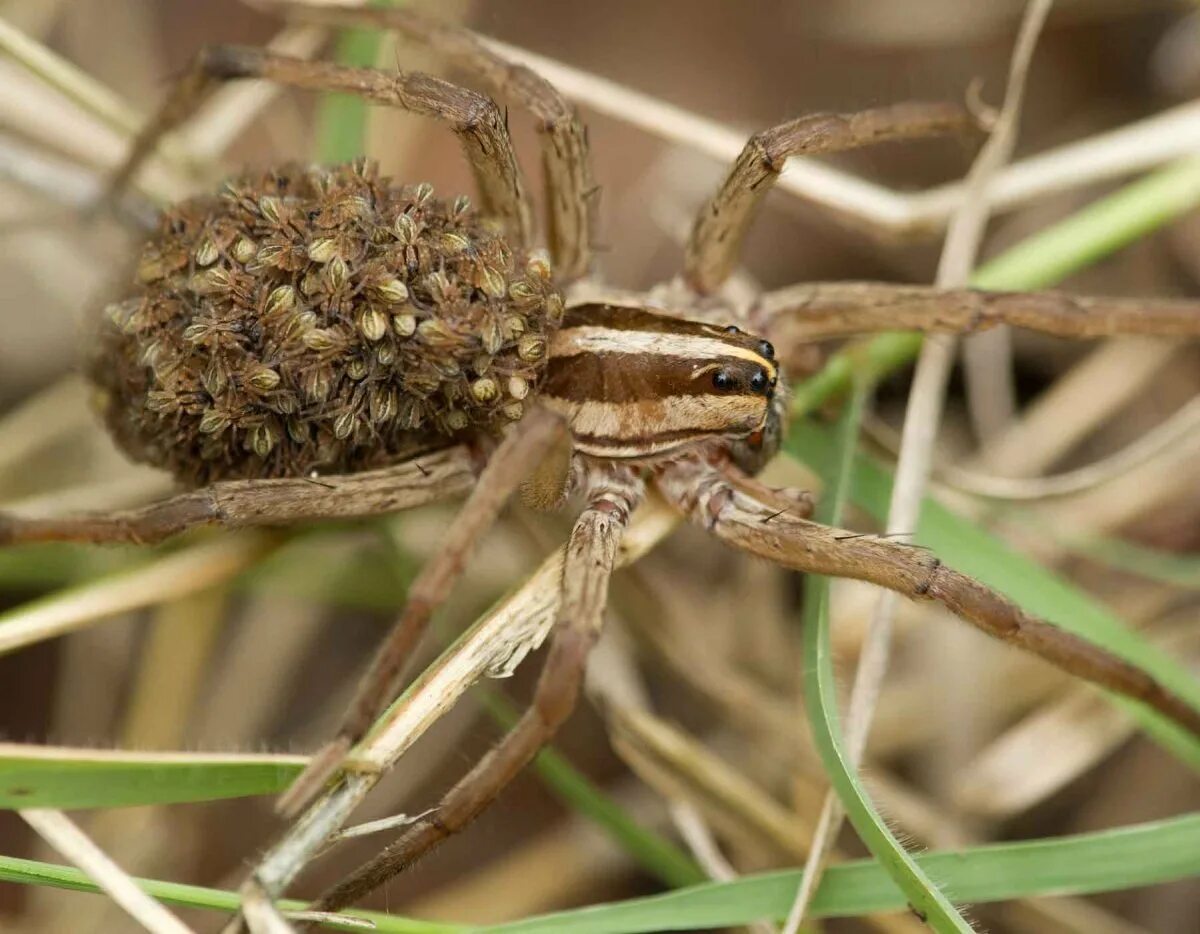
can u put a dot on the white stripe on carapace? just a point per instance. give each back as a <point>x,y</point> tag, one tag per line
<point>646,450</point>
<point>640,423</point>
<point>592,338</point>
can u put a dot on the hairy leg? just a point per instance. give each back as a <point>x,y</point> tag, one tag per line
<point>742,520</point>
<point>716,240</point>
<point>570,189</point>
<point>475,119</point>
<point>591,556</point>
<point>526,443</point>
<point>242,503</point>
<point>818,310</point>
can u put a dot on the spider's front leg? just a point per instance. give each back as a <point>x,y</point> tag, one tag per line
<point>611,494</point>
<point>716,239</point>
<point>811,311</point>
<point>740,518</point>
<point>231,504</point>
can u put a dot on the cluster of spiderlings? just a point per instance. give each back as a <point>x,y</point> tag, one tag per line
<point>319,319</point>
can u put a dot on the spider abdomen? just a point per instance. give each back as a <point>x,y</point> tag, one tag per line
<point>319,319</point>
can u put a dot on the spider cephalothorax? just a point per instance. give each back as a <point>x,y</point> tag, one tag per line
<point>319,318</point>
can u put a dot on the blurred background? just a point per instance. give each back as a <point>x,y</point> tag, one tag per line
<point>973,741</point>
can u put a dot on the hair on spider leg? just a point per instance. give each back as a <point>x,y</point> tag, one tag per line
<point>882,536</point>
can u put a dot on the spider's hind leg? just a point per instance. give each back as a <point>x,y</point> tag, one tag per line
<point>474,118</point>
<point>590,558</point>
<point>570,189</point>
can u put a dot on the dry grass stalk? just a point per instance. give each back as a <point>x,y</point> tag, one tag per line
<point>921,421</point>
<point>874,208</point>
<point>58,830</point>
<point>183,572</point>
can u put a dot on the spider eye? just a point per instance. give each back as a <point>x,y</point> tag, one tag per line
<point>766,349</point>
<point>733,329</point>
<point>722,380</point>
<point>758,382</point>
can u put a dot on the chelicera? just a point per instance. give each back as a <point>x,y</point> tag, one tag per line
<point>402,348</point>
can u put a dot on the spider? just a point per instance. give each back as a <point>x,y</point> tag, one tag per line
<point>312,343</point>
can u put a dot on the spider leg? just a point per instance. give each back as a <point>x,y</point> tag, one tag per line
<point>741,520</point>
<point>242,503</point>
<point>475,119</point>
<point>716,240</point>
<point>566,164</point>
<point>590,558</point>
<point>818,310</point>
<point>526,443</point>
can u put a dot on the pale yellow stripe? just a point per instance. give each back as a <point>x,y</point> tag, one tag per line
<point>596,339</point>
<point>703,414</point>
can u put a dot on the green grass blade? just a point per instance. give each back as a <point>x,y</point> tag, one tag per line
<point>1038,262</point>
<point>1107,861</point>
<point>821,701</point>
<point>1167,567</point>
<point>58,777</point>
<point>31,872</point>
<point>1104,861</point>
<point>342,118</point>
<point>976,552</point>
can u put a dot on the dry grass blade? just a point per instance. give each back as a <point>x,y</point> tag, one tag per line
<point>58,830</point>
<point>1080,729</point>
<point>1080,401</point>
<point>41,419</point>
<point>875,208</point>
<point>261,916</point>
<point>494,646</point>
<point>681,768</point>
<point>184,572</point>
<point>78,86</point>
<point>920,429</point>
<point>1164,437</point>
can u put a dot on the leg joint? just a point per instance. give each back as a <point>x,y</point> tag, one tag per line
<point>922,589</point>
<point>230,61</point>
<point>481,111</point>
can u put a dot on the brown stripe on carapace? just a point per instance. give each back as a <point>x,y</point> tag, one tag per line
<point>618,377</point>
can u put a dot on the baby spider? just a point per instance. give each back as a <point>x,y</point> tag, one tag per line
<point>325,319</point>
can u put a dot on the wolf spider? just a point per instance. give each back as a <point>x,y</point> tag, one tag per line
<point>668,392</point>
